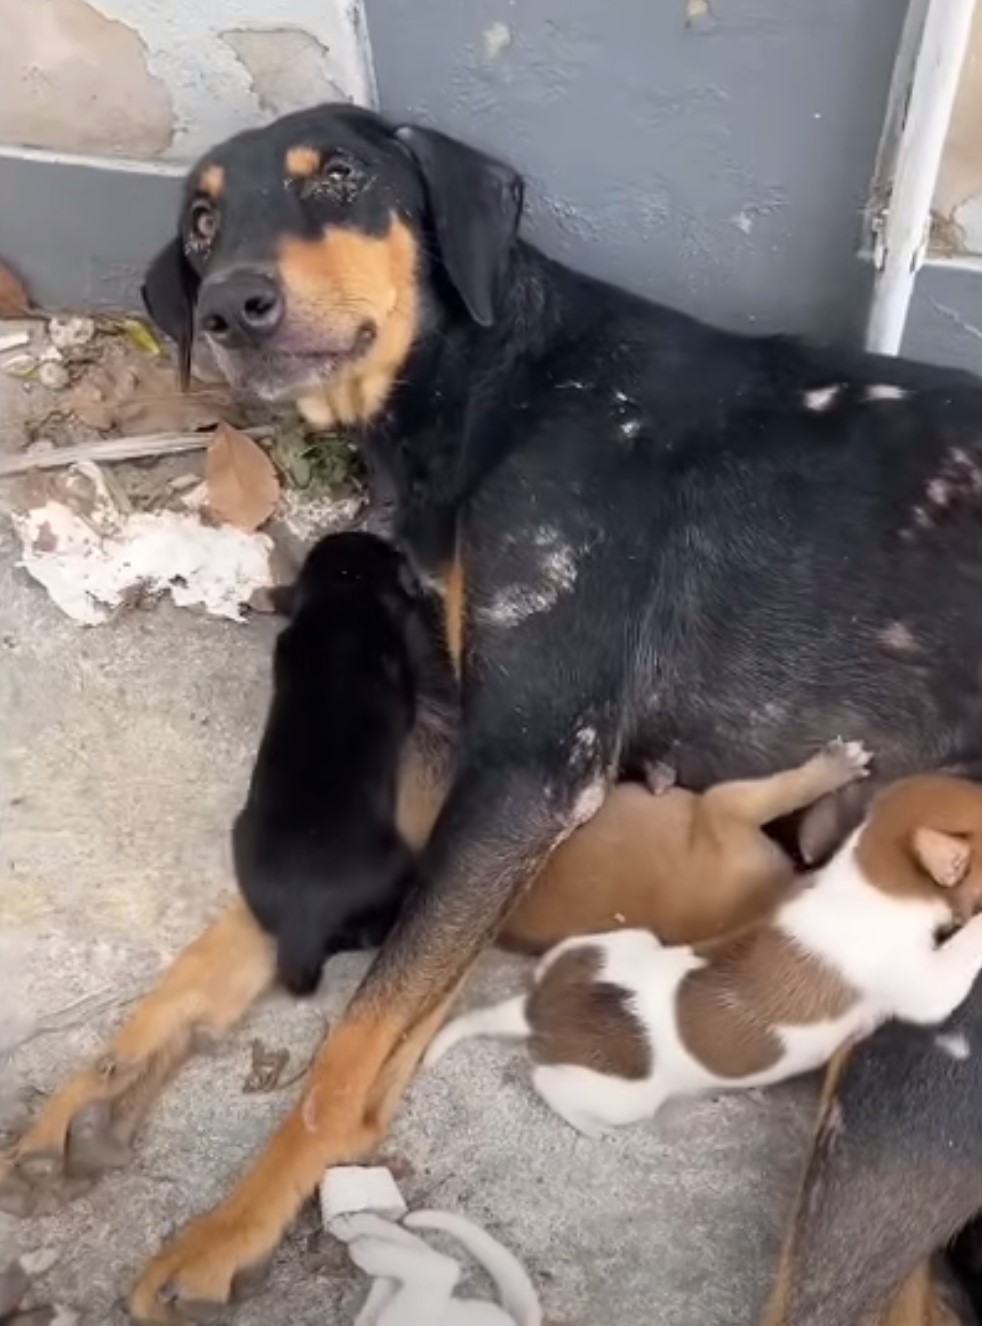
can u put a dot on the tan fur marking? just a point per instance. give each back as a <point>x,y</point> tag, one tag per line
<point>885,848</point>
<point>453,611</point>
<point>353,1089</point>
<point>918,1304</point>
<point>207,987</point>
<point>580,1019</point>
<point>781,1298</point>
<point>211,181</point>
<point>302,162</point>
<point>726,1012</point>
<point>336,283</point>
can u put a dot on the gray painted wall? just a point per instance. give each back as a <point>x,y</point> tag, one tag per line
<point>721,164</point>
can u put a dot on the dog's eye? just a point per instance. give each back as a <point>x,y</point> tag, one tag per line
<point>203,222</point>
<point>338,171</point>
<point>340,179</point>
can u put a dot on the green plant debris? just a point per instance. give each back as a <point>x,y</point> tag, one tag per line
<point>328,462</point>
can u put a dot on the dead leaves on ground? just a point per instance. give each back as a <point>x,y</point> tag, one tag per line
<point>14,300</point>
<point>242,485</point>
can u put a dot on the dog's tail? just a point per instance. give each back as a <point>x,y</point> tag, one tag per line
<point>507,1019</point>
<point>511,1280</point>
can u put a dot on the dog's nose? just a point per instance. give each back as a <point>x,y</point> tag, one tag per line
<point>242,306</point>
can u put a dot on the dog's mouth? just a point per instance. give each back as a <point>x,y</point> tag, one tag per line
<point>281,369</point>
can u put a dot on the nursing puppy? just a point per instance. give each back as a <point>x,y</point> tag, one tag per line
<point>690,866</point>
<point>619,1023</point>
<point>317,854</point>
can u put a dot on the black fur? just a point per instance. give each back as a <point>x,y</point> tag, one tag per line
<point>677,543</point>
<point>317,853</point>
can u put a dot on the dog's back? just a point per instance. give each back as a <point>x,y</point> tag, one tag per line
<point>317,854</point>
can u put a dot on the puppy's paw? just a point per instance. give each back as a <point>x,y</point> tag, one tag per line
<point>848,760</point>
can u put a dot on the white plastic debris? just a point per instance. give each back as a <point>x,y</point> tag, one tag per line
<point>14,341</point>
<point>54,376</point>
<point>93,561</point>
<point>411,1281</point>
<point>348,1188</point>
<point>67,333</point>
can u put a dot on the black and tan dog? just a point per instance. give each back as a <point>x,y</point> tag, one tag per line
<point>656,540</point>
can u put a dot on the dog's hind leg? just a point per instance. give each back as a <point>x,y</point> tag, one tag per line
<point>759,801</point>
<point>87,1126</point>
<point>894,1172</point>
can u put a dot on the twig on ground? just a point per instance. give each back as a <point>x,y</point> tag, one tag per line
<point>108,450</point>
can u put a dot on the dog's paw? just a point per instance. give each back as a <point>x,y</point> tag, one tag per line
<point>848,760</point>
<point>84,1130</point>
<point>217,1260</point>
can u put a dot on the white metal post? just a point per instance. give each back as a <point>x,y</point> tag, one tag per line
<point>903,239</point>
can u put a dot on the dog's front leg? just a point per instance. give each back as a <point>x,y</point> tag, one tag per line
<point>895,1171</point>
<point>89,1123</point>
<point>507,810</point>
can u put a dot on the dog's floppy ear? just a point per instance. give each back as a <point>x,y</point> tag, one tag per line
<point>476,204</point>
<point>945,856</point>
<point>170,292</point>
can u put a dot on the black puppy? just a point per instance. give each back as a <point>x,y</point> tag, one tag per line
<point>317,853</point>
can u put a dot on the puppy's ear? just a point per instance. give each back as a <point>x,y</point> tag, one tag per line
<point>475,204</point>
<point>170,292</point>
<point>945,856</point>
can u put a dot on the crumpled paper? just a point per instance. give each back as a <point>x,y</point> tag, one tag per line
<point>92,561</point>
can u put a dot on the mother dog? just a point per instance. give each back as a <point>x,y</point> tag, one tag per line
<point>656,541</point>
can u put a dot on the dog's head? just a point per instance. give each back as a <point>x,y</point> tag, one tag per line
<point>924,837</point>
<point>312,253</point>
<point>353,560</point>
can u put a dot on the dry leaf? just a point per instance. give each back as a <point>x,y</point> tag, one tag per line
<point>266,1068</point>
<point>14,302</point>
<point>242,485</point>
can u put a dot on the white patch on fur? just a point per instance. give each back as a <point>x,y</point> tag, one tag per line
<point>954,1044</point>
<point>585,742</point>
<point>589,801</point>
<point>630,428</point>
<point>886,391</point>
<point>554,575</point>
<point>820,398</point>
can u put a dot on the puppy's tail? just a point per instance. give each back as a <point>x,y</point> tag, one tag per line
<point>507,1019</point>
<point>511,1280</point>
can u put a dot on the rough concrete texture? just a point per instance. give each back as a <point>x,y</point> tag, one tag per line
<point>124,751</point>
<point>159,80</point>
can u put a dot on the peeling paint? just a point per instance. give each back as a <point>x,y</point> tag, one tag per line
<point>72,79</point>
<point>289,68</point>
<point>157,79</point>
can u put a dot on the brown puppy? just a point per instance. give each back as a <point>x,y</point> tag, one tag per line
<point>686,866</point>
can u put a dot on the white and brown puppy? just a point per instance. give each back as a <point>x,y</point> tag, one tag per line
<point>619,1023</point>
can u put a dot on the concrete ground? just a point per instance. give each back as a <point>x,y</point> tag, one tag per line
<point>124,752</point>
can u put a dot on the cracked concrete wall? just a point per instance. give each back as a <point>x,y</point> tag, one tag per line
<point>713,153</point>
<point>164,79</point>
